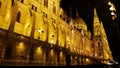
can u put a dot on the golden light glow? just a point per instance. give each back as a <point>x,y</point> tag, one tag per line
<point>112,8</point>
<point>112,13</point>
<point>51,28</point>
<point>87,60</point>
<point>61,54</point>
<point>38,50</point>
<point>39,30</point>
<point>21,46</point>
<point>109,3</point>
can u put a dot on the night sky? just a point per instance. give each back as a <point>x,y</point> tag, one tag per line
<point>86,9</point>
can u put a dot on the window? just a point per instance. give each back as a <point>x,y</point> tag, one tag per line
<point>98,44</point>
<point>46,3</point>
<point>44,15</point>
<point>60,16</point>
<point>22,1</point>
<point>54,7</point>
<point>35,8</point>
<point>100,54</point>
<point>53,22</point>
<point>0,3</point>
<point>32,7</point>
<point>12,2</point>
<point>92,46</point>
<point>18,17</point>
<point>30,12</point>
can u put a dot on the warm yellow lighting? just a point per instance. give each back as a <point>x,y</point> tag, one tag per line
<point>39,30</point>
<point>51,41</point>
<point>21,46</point>
<point>76,57</point>
<point>112,13</point>
<point>38,50</point>
<point>61,54</point>
<point>51,45</point>
<point>109,3</point>
<point>74,48</point>
<point>112,8</point>
<point>87,60</point>
<point>7,16</point>
<point>52,52</point>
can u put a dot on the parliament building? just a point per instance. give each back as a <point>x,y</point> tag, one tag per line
<point>39,32</point>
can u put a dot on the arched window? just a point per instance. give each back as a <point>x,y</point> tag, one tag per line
<point>0,4</point>
<point>18,16</point>
<point>46,3</point>
<point>22,1</point>
<point>99,44</point>
<point>12,2</point>
<point>54,7</point>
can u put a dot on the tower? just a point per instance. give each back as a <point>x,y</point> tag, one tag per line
<point>101,45</point>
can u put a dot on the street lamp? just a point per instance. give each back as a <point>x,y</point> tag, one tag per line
<point>51,44</point>
<point>113,10</point>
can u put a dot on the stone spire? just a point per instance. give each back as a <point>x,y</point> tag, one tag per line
<point>96,27</point>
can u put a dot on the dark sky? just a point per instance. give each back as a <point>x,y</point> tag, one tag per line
<point>86,8</point>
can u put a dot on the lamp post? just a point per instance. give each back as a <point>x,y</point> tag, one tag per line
<point>113,10</point>
<point>51,42</point>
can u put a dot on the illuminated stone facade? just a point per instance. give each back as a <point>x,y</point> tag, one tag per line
<point>39,32</point>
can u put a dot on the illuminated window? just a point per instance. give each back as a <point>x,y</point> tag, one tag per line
<point>46,3</point>
<point>18,17</point>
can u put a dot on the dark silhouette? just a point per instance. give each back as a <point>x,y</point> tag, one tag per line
<point>68,59</point>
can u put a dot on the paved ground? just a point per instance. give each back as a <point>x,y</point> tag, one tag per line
<point>62,66</point>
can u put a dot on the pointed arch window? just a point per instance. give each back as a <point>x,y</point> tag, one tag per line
<point>54,7</point>
<point>18,16</point>
<point>99,45</point>
<point>36,9</point>
<point>0,4</point>
<point>22,1</point>
<point>12,2</point>
<point>46,3</point>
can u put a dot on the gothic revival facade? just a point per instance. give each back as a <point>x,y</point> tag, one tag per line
<point>39,32</point>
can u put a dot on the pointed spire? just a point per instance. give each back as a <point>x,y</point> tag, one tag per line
<point>96,24</point>
<point>77,14</point>
<point>96,19</point>
<point>103,30</point>
<point>70,11</point>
